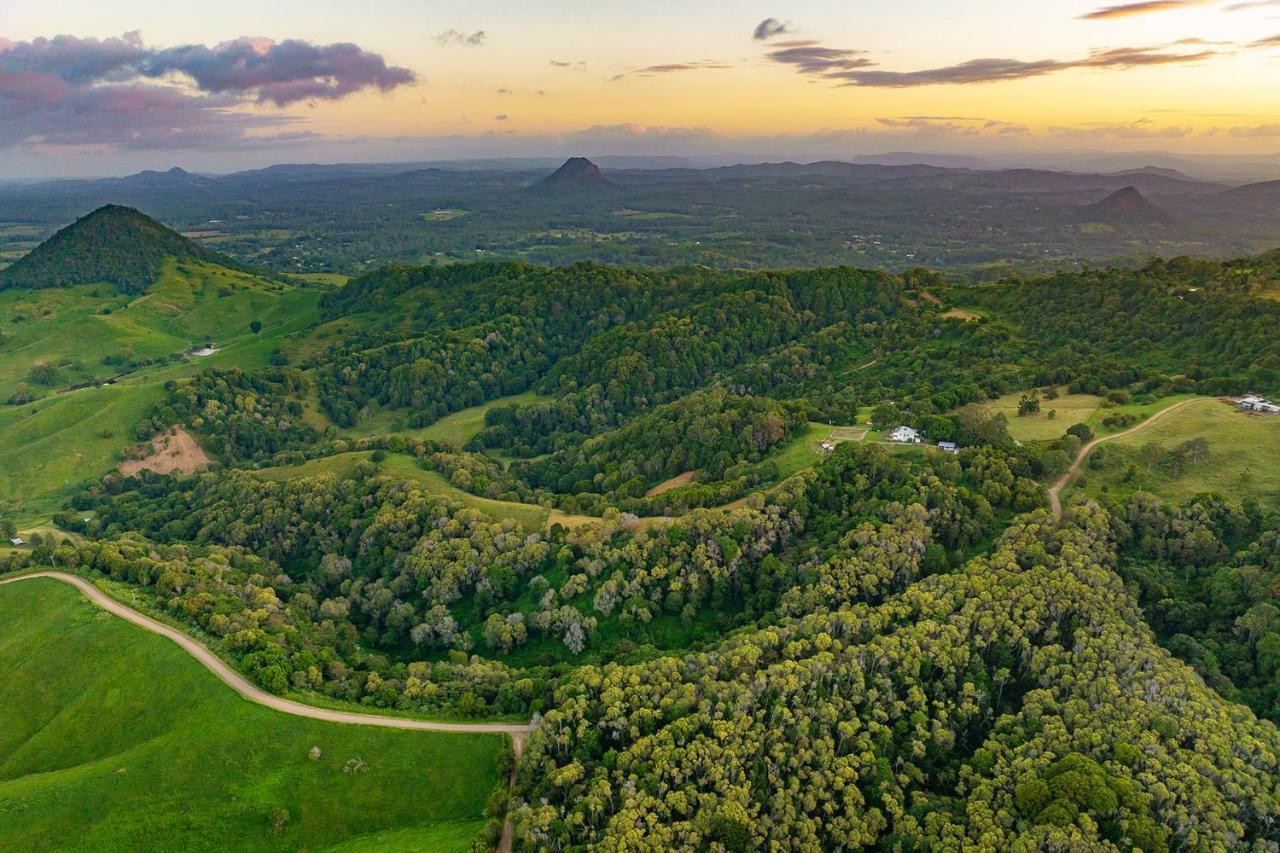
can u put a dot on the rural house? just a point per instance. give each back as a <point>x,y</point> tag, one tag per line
<point>1259,405</point>
<point>905,435</point>
<point>948,447</point>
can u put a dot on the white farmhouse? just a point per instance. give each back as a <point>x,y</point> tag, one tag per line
<point>1260,405</point>
<point>905,435</point>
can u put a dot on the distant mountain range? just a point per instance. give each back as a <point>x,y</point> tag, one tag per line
<point>663,211</point>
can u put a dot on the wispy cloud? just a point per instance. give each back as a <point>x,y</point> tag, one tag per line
<point>457,38</point>
<point>849,67</point>
<point>671,68</point>
<point>575,65</point>
<point>1148,7</point>
<point>812,57</point>
<point>770,28</point>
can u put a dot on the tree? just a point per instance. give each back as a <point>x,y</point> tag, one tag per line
<point>255,326</point>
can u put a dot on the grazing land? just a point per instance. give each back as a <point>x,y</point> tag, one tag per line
<point>1242,459</point>
<point>1069,409</point>
<point>115,739</point>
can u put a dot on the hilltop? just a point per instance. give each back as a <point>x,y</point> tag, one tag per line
<point>578,174</point>
<point>114,244</point>
<point>1126,206</point>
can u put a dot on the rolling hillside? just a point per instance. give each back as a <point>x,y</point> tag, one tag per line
<point>115,739</point>
<point>82,364</point>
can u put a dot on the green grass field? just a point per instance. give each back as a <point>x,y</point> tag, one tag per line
<point>114,739</point>
<point>1070,409</point>
<point>455,429</point>
<point>803,451</point>
<point>1243,461</point>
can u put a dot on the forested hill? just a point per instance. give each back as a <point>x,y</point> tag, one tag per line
<point>615,501</point>
<point>113,244</point>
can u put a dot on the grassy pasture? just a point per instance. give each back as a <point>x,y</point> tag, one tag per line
<point>1071,409</point>
<point>115,739</point>
<point>1243,460</point>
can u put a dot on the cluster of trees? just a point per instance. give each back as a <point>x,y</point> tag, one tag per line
<point>1018,703</point>
<point>707,432</point>
<point>372,575</point>
<point>240,415</point>
<point>1215,338</point>
<point>1208,577</point>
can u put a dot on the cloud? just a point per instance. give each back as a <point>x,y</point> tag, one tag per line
<point>670,68</point>
<point>1140,129</point>
<point>279,73</point>
<point>457,38</point>
<point>501,117</point>
<point>853,68</point>
<point>577,65</point>
<point>117,91</point>
<point>1148,7</point>
<point>1269,41</point>
<point>1260,131</point>
<point>812,57</point>
<point>769,28</point>
<point>43,109</point>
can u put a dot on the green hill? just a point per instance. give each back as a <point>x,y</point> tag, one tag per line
<point>61,423</point>
<point>115,739</point>
<point>114,244</point>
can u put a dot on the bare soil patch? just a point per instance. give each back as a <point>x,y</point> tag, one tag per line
<point>961,314</point>
<point>173,451</point>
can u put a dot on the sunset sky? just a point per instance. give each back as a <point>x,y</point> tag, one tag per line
<point>109,86</point>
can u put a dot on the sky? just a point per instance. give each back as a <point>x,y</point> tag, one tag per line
<point>113,86</point>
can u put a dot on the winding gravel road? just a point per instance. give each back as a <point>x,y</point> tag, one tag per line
<point>1055,499</point>
<point>241,685</point>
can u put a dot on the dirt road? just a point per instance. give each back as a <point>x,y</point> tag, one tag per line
<point>241,685</point>
<point>1055,493</point>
